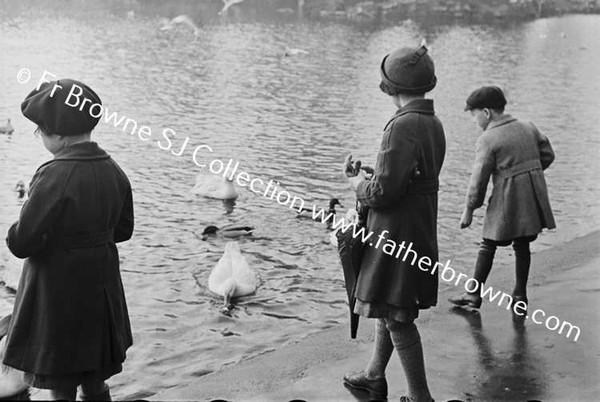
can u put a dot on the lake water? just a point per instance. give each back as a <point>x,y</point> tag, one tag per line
<point>291,119</point>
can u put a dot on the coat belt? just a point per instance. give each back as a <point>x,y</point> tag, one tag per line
<point>519,168</point>
<point>424,186</point>
<point>84,240</point>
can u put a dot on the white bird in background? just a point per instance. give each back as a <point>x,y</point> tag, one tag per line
<point>227,4</point>
<point>180,19</point>
<point>294,52</point>
<point>7,129</point>
<point>232,276</point>
<point>130,15</point>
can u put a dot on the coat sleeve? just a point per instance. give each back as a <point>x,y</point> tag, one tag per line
<point>546,151</point>
<point>32,232</point>
<point>396,163</point>
<point>124,228</point>
<point>480,176</point>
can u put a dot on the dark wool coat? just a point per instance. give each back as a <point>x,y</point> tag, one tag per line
<point>70,313</point>
<point>514,154</point>
<point>402,195</point>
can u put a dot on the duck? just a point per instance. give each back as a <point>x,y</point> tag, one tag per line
<point>227,4</point>
<point>212,186</point>
<point>229,231</point>
<point>20,189</point>
<point>232,276</point>
<point>327,217</point>
<point>11,380</point>
<point>180,19</point>
<point>7,129</point>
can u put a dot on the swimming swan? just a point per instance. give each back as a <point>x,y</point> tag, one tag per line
<point>232,277</point>
<point>11,380</point>
<point>212,186</point>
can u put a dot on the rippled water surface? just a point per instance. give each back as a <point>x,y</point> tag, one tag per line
<point>291,119</point>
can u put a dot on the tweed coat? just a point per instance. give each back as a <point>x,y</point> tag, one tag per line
<point>514,154</point>
<point>403,208</point>
<point>70,313</point>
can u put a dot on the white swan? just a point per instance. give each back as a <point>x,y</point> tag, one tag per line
<point>232,277</point>
<point>180,19</point>
<point>212,186</point>
<point>11,380</point>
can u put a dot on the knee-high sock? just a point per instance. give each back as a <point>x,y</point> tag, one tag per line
<point>485,259</point>
<point>522,263</point>
<point>407,342</point>
<point>382,351</point>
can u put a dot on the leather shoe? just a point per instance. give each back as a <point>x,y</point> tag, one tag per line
<point>377,388</point>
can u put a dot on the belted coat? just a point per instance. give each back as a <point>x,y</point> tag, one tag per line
<point>514,154</point>
<point>403,201</point>
<point>70,313</point>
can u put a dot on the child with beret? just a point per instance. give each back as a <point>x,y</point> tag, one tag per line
<point>402,198</point>
<point>514,154</point>
<point>70,324</point>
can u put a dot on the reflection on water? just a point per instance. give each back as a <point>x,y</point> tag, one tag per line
<point>504,375</point>
<point>291,119</point>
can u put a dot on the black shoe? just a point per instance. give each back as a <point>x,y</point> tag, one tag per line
<point>377,389</point>
<point>472,300</point>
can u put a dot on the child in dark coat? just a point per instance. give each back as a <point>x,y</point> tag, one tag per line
<point>514,155</point>
<point>402,197</point>
<point>70,324</point>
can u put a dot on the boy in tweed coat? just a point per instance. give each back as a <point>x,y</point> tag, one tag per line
<point>514,154</point>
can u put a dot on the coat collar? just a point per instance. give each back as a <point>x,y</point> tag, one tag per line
<point>505,119</point>
<point>423,106</point>
<point>83,151</point>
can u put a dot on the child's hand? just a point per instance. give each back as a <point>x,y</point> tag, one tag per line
<point>348,168</point>
<point>360,176</point>
<point>466,219</point>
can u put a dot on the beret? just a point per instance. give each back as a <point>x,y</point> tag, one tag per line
<point>409,70</point>
<point>489,97</point>
<point>64,107</point>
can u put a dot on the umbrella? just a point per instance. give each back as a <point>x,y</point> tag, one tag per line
<point>350,250</point>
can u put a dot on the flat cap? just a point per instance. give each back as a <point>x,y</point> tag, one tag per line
<point>490,97</point>
<point>60,107</point>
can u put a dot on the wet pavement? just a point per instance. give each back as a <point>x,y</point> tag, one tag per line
<point>470,356</point>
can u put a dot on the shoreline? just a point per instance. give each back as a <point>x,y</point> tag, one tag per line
<point>479,360</point>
